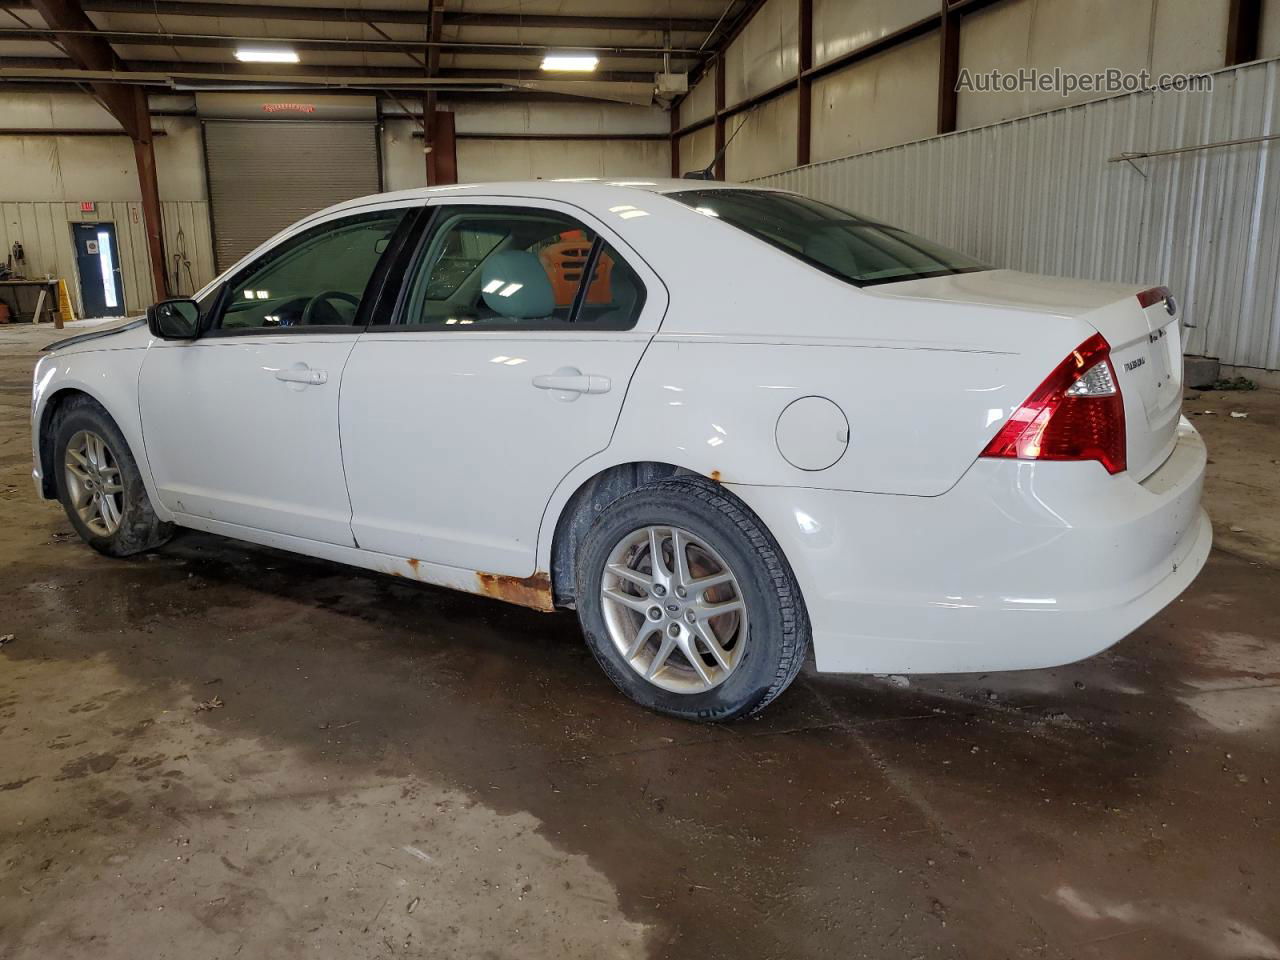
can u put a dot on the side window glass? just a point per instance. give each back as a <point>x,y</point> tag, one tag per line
<point>615,295</point>
<point>499,267</point>
<point>317,278</point>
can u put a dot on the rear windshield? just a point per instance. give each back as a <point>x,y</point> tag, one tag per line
<point>852,248</point>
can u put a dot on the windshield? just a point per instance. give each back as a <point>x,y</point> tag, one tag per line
<point>852,248</point>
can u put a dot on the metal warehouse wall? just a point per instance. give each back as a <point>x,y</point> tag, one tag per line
<point>526,141</point>
<point>48,173</point>
<point>1039,194</point>
<point>44,229</point>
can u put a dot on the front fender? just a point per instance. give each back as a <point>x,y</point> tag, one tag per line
<point>110,377</point>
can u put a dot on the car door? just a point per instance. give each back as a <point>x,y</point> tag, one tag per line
<point>241,424</point>
<point>519,327</point>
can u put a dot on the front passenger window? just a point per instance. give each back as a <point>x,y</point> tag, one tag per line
<point>317,278</point>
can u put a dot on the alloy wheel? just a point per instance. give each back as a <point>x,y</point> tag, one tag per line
<point>94,483</point>
<point>674,609</point>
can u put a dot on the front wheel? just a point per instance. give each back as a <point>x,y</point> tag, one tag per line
<point>99,483</point>
<point>688,604</point>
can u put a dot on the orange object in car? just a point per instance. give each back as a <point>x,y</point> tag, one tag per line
<point>564,262</point>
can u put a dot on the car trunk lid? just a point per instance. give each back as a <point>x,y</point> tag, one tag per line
<point>1146,348</point>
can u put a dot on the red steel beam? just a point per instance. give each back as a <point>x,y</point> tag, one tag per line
<point>1244,20</point>
<point>719,118</point>
<point>804,85</point>
<point>128,104</point>
<point>948,70</point>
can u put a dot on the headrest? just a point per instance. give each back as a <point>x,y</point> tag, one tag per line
<point>515,284</point>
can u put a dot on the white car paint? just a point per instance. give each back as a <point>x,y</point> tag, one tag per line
<point>913,554</point>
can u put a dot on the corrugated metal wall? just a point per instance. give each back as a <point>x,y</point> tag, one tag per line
<point>1039,194</point>
<point>45,234</point>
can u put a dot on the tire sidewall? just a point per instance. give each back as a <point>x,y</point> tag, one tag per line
<point>137,517</point>
<point>753,678</point>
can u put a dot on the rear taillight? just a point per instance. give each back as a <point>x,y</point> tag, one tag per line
<point>1076,414</point>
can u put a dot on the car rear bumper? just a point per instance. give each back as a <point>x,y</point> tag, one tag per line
<point>1020,565</point>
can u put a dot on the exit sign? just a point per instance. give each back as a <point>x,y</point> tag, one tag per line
<point>88,206</point>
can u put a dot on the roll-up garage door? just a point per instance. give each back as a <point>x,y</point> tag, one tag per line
<point>264,175</point>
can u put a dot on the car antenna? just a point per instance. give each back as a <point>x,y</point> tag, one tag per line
<point>708,172</point>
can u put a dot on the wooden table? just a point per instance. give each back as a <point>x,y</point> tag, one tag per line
<point>37,295</point>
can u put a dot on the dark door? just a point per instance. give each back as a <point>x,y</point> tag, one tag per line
<point>98,263</point>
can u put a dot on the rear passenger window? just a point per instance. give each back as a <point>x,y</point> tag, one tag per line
<point>615,295</point>
<point>495,267</point>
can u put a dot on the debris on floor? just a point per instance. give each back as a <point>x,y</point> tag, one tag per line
<point>1238,415</point>
<point>213,703</point>
<point>7,638</point>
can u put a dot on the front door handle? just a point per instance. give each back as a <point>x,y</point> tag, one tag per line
<point>301,373</point>
<point>569,382</point>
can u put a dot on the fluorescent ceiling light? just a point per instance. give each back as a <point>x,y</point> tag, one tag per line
<point>265,55</point>
<point>580,62</point>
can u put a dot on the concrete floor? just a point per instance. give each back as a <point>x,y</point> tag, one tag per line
<point>400,771</point>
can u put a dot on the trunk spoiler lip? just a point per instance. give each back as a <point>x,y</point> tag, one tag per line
<point>94,335</point>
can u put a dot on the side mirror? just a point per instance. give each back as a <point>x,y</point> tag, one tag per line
<point>174,320</point>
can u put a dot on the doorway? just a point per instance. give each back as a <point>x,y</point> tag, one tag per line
<point>98,263</point>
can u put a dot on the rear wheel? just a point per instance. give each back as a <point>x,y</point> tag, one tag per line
<point>687,603</point>
<point>100,485</point>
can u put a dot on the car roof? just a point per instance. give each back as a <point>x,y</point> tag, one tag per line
<point>583,190</point>
<point>560,186</point>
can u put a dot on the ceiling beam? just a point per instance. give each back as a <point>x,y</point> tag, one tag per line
<point>89,52</point>
<point>389,45</point>
<point>452,18</point>
<point>285,72</point>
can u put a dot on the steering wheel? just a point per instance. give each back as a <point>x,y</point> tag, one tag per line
<point>319,304</point>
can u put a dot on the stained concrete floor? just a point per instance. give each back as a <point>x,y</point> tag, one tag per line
<point>397,771</point>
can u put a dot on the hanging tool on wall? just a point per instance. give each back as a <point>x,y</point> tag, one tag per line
<point>182,262</point>
<point>16,265</point>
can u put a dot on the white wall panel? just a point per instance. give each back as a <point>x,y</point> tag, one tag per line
<point>843,25</point>
<point>404,166</point>
<point>766,141</point>
<point>480,160</point>
<point>887,99</point>
<point>1042,35</point>
<point>559,118</point>
<point>1039,194</point>
<point>53,111</point>
<point>765,53</point>
<point>1269,41</point>
<point>179,159</point>
<point>74,168</point>
<point>701,100</point>
<point>697,150</point>
<point>1188,36</point>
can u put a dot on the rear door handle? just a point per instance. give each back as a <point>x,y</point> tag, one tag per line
<point>301,373</point>
<point>572,381</point>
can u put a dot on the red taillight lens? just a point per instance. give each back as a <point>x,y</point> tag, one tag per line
<point>1076,414</point>
<point>1149,298</point>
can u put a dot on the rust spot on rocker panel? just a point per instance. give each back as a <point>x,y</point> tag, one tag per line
<point>413,565</point>
<point>715,476</point>
<point>534,591</point>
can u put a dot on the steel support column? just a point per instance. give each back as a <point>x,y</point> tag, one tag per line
<point>948,69</point>
<point>804,85</point>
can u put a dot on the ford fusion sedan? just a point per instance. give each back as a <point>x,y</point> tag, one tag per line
<point>725,425</point>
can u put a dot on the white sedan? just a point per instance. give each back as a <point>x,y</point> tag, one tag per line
<point>722,423</point>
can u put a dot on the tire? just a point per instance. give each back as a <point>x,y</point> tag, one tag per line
<point>137,528</point>
<point>713,528</point>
